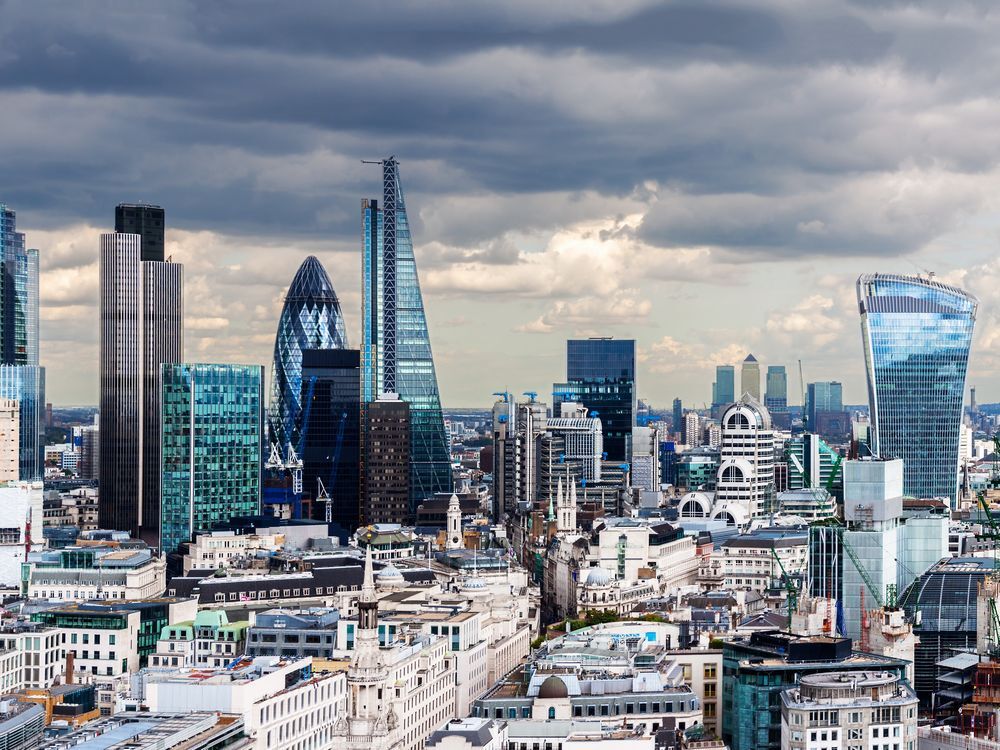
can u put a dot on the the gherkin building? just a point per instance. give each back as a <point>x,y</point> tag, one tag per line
<point>310,319</point>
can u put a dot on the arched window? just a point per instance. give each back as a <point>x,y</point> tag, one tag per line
<point>738,421</point>
<point>552,712</point>
<point>732,474</point>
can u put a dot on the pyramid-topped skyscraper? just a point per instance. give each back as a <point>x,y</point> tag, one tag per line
<point>310,319</point>
<point>396,350</point>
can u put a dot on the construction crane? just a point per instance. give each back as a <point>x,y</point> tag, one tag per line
<point>995,478</point>
<point>322,496</point>
<point>532,395</point>
<point>791,592</point>
<point>290,463</point>
<point>802,386</point>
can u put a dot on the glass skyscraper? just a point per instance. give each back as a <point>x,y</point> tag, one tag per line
<point>824,396</point>
<point>396,348</point>
<point>26,385</point>
<point>310,319</point>
<point>20,376</point>
<point>18,294</point>
<point>776,388</point>
<point>724,387</point>
<point>917,334</point>
<point>600,374</point>
<point>211,430</point>
<point>331,434</point>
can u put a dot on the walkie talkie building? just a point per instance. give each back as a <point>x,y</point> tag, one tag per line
<point>396,350</point>
<point>917,333</point>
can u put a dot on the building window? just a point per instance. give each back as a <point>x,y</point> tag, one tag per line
<point>552,712</point>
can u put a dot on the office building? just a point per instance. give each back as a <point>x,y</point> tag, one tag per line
<point>823,397</point>
<point>600,375</point>
<point>916,334</point>
<point>25,384</point>
<point>10,439</point>
<point>141,319</point>
<point>724,387</point>
<point>745,485</point>
<point>18,294</point>
<point>678,415</point>
<point>148,222</point>
<point>21,518</point>
<point>692,435</point>
<point>813,463</point>
<point>386,467</point>
<point>310,319</point>
<point>946,598</point>
<point>618,672</point>
<point>873,709</point>
<point>95,571</point>
<point>882,550</point>
<point>330,435</point>
<point>212,439</point>
<point>776,393</point>
<point>396,352</point>
<point>750,377</point>
<point>759,668</point>
<point>90,452</point>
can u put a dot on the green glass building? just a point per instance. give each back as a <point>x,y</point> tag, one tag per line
<point>211,441</point>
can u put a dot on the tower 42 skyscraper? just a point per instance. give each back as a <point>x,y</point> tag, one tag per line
<point>396,351</point>
<point>917,333</point>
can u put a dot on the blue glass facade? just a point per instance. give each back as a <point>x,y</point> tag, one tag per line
<point>18,295</point>
<point>211,431</point>
<point>917,334</point>
<point>776,388</point>
<point>310,319</point>
<point>26,384</point>
<point>724,387</point>
<point>600,374</point>
<point>396,347</point>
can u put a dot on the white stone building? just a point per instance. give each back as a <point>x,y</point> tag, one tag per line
<point>21,516</point>
<point>849,711</point>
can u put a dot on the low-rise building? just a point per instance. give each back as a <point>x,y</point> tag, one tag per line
<point>101,571</point>
<point>863,710</point>
<point>21,725</point>
<point>619,672</point>
<point>755,560</point>
<point>283,704</point>
<point>210,640</point>
<point>31,656</point>
<point>197,730</point>
<point>759,667</point>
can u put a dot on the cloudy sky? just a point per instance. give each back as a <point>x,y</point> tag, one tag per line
<point>706,177</point>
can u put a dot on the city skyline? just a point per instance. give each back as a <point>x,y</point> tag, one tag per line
<point>532,224</point>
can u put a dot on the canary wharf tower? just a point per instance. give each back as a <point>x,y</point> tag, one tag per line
<point>396,347</point>
<point>917,333</point>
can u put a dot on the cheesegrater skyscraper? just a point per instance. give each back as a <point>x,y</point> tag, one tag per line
<point>396,349</point>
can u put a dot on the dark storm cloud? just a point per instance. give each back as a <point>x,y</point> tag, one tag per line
<point>758,122</point>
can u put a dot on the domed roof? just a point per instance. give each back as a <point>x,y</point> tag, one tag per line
<point>553,687</point>
<point>598,577</point>
<point>389,573</point>
<point>473,583</point>
<point>312,282</point>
